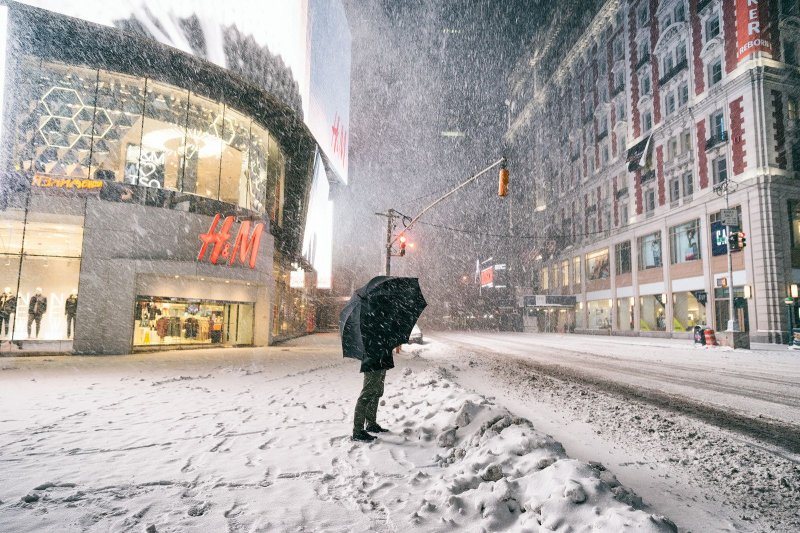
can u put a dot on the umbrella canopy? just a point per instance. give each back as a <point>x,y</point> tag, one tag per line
<point>380,315</point>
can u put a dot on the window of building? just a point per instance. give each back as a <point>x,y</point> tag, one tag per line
<point>674,190</point>
<point>647,121</point>
<point>794,222</point>
<point>668,63</point>
<point>666,22</point>
<point>712,27</point>
<point>545,278</point>
<point>685,242</point>
<point>717,122</point>
<point>686,141</point>
<point>644,49</point>
<point>715,72</point>
<point>623,213</point>
<point>597,266</point>
<point>669,103</point>
<point>720,169</point>
<point>790,52</point>
<point>688,184</point>
<point>646,85</point>
<point>791,108</point>
<point>649,250</point>
<point>649,200</point>
<point>618,48</point>
<point>565,273</point>
<point>604,153</point>
<point>622,253</point>
<point>625,314</point>
<point>672,148</point>
<point>679,12</point>
<point>688,309</point>
<point>643,14</point>
<point>623,142</point>
<point>621,110</point>
<point>576,270</point>
<point>683,94</point>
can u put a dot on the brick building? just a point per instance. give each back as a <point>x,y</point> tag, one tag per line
<point>629,131</point>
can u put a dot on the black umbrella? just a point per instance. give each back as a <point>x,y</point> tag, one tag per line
<point>380,315</point>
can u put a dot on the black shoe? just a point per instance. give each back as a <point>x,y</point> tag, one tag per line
<point>375,428</point>
<point>363,436</point>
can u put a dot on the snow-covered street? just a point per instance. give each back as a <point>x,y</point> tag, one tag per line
<point>258,440</point>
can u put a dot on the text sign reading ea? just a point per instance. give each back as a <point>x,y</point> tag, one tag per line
<point>244,248</point>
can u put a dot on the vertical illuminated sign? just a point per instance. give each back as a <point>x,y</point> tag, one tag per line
<point>752,20</point>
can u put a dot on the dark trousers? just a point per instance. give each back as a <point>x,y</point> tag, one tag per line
<point>70,324</point>
<point>31,319</point>
<point>4,320</point>
<point>367,404</point>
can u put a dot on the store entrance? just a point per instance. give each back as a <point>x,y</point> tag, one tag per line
<point>175,322</point>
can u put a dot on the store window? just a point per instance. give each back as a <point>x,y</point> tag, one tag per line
<point>622,251</point>
<point>599,314</point>
<point>545,278</point>
<point>597,266</point>
<point>576,270</point>
<point>39,274</point>
<point>684,242</point>
<point>174,321</point>
<point>652,313</point>
<point>722,308</point>
<point>649,247</point>
<point>80,123</point>
<point>794,221</point>
<point>625,314</point>
<point>688,310</point>
<point>565,273</point>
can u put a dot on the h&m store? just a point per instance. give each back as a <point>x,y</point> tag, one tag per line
<point>146,204</point>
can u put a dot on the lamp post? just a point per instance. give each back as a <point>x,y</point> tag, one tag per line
<point>391,214</point>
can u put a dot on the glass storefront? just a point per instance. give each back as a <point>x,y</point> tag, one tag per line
<point>649,248</point>
<point>597,266</point>
<point>652,313</point>
<point>685,242</point>
<point>40,256</point>
<point>599,314</point>
<point>688,309</point>
<point>292,306</point>
<point>174,321</point>
<point>625,314</point>
<point>88,123</point>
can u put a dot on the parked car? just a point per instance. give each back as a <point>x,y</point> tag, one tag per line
<point>416,335</point>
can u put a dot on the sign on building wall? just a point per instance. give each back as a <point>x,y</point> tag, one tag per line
<point>243,249</point>
<point>751,28</point>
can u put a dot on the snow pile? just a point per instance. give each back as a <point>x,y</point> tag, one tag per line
<point>497,472</point>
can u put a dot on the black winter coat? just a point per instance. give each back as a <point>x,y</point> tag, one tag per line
<point>384,361</point>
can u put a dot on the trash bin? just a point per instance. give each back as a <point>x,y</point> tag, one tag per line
<point>699,336</point>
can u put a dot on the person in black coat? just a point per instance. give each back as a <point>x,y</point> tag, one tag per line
<point>374,366</point>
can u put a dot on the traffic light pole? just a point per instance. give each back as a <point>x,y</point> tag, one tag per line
<point>391,214</point>
<point>733,323</point>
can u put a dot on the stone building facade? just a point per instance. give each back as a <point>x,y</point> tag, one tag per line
<point>635,132</point>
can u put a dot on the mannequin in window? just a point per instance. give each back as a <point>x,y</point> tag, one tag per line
<point>70,309</point>
<point>36,308</point>
<point>8,306</point>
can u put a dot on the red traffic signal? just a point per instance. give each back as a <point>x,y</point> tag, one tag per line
<point>402,245</point>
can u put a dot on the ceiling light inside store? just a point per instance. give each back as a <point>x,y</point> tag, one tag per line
<point>177,140</point>
<point>176,276</point>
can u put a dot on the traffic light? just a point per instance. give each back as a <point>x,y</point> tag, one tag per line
<point>402,245</point>
<point>502,189</point>
<point>741,240</point>
<point>733,241</point>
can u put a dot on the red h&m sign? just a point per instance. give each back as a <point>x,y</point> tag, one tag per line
<point>752,35</point>
<point>244,248</point>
